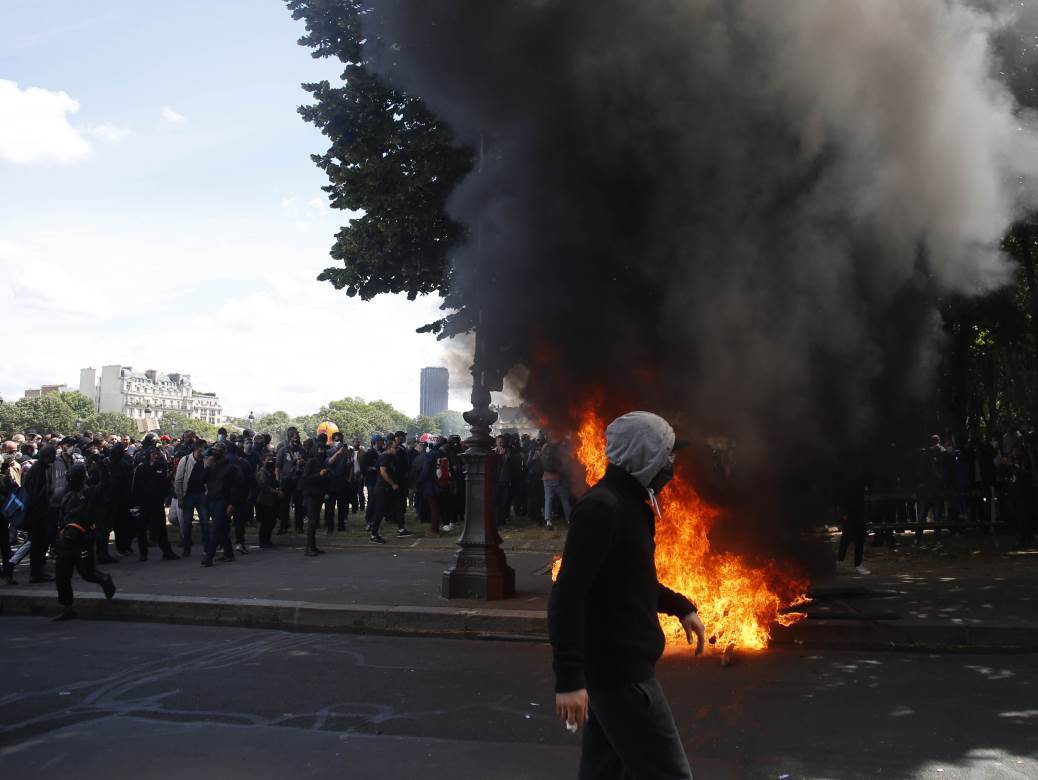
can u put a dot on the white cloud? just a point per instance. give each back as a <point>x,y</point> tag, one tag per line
<point>244,315</point>
<point>173,117</point>
<point>34,127</point>
<point>107,131</point>
<point>304,214</point>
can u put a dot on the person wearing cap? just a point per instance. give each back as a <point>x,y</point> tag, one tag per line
<point>602,613</point>
<point>74,541</point>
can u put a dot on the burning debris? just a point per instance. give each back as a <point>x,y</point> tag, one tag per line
<point>738,602</point>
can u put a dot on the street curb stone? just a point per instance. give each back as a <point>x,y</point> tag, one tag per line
<point>457,622</point>
<point>484,623</point>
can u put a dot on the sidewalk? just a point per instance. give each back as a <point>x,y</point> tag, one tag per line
<point>965,596</point>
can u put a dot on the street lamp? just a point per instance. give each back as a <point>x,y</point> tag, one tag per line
<point>480,569</point>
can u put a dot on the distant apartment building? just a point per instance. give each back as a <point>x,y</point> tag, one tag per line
<point>45,390</point>
<point>135,393</point>
<point>435,383</point>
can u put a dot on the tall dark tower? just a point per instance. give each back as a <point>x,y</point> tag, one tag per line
<point>435,381</point>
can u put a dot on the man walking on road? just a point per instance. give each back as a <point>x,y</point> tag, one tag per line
<point>602,613</point>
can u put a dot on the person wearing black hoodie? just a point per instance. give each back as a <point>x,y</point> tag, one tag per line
<point>315,486</point>
<point>120,475</point>
<point>602,613</point>
<point>148,498</point>
<point>74,541</point>
<point>223,486</point>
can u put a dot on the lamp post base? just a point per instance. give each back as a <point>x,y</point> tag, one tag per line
<point>480,572</point>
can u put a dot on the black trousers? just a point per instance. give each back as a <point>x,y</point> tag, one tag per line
<point>40,537</point>
<point>630,733</point>
<point>313,517</point>
<point>152,523</point>
<point>123,525</point>
<point>5,547</point>
<point>338,496</point>
<point>267,517</point>
<point>75,557</point>
<point>369,512</point>
<point>853,531</point>
<point>291,497</point>
<point>102,530</point>
<point>385,505</point>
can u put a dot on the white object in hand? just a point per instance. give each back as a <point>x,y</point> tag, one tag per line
<point>571,727</point>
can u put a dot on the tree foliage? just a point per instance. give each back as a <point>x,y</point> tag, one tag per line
<point>66,413</point>
<point>390,159</point>
<point>175,423</point>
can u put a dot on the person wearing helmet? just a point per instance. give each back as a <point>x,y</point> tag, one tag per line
<point>602,612</point>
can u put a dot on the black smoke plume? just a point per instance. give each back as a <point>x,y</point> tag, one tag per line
<point>742,214</point>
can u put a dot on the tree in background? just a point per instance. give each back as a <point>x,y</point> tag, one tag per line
<point>175,423</point>
<point>390,159</point>
<point>45,414</point>
<point>110,423</point>
<point>424,424</point>
<point>451,423</point>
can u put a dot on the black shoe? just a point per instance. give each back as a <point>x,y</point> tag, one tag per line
<point>169,555</point>
<point>226,558</point>
<point>67,613</point>
<point>240,548</point>
<point>266,545</point>
<point>40,578</point>
<point>376,539</point>
<point>310,553</point>
<point>108,586</point>
<point>404,532</point>
<point>10,580</point>
<point>319,551</point>
<point>108,559</point>
<point>207,561</point>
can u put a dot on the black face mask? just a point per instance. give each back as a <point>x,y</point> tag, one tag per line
<point>660,481</point>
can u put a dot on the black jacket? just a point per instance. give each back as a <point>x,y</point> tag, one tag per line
<point>223,481</point>
<point>602,613</point>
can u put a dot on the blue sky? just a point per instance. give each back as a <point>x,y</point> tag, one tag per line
<point>159,209</point>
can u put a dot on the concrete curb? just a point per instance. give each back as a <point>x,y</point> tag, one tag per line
<point>488,623</point>
<point>456,622</point>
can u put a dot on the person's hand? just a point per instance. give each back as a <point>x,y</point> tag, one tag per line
<point>572,706</point>
<point>396,487</point>
<point>324,472</point>
<point>694,625</point>
<point>230,510</point>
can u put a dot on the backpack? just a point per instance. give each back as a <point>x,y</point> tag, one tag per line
<point>443,471</point>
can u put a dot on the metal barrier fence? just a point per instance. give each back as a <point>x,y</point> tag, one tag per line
<point>900,511</point>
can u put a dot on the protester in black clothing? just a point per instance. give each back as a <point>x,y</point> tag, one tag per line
<point>369,466</point>
<point>402,475</point>
<point>315,486</point>
<point>244,485</point>
<point>602,613</point>
<point>74,541</point>
<point>37,507</point>
<point>502,481</point>
<point>289,470</point>
<point>120,474</point>
<point>148,496</point>
<point>267,498</point>
<point>340,471</point>
<point>388,493</point>
<point>223,488</point>
<point>98,477</point>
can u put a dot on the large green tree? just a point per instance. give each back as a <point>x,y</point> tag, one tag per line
<point>391,164</point>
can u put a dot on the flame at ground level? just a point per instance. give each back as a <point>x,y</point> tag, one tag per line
<point>738,602</point>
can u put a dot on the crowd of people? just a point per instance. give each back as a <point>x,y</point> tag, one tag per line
<point>75,497</point>
<point>943,486</point>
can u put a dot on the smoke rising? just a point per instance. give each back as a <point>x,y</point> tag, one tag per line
<point>739,213</point>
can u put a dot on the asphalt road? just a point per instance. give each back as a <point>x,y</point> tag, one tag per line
<point>112,700</point>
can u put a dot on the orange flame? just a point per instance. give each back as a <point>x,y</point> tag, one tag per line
<point>738,602</point>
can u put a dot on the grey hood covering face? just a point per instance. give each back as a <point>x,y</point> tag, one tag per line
<point>640,443</point>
